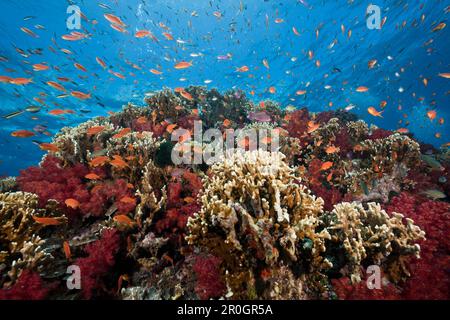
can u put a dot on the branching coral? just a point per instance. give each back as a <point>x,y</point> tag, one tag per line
<point>20,245</point>
<point>369,236</point>
<point>255,214</point>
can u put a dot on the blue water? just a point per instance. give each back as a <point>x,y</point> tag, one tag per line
<point>248,32</point>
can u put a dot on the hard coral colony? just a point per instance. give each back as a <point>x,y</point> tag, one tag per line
<point>303,222</point>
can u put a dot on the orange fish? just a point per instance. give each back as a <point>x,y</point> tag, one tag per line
<point>154,71</point>
<point>118,162</point>
<point>371,64</point>
<point>431,114</point>
<point>295,31</point>
<point>118,28</point>
<point>374,112</point>
<point>226,123</point>
<point>312,126</point>
<point>58,112</point>
<point>141,120</point>
<point>124,219</point>
<point>122,133</point>
<point>279,20</point>
<point>117,74</point>
<point>444,75</point>
<point>80,67</point>
<point>94,130</point>
<point>383,104</point>
<point>142,33</point>
<point>47,221</point>
<point>40,67</point>
<point>5,79</point>
<point>99,161</point>
<point>21,81</point>
<point>56,85</point>
<point>66,248</point>
<point>332,149</point>
<point>242,69</point>
<point>186,95</point>
<point>402,130</point>
<point>114,19</point>
<point>272,90</point>
<point>168,36</point>
<point>22,134</point>
<point>29,32</point>
<point>326,165</point>
<point>128,200</point>
<point>72,203</point>
<point>80,95</point>
<point>101,62</point>
<point>171,127</point>
<point>441,121</point>
<point>92,176</point>
<point>49,147</point>
<point>362,89</point>
<point>183,65</point>
<point>300,92</point>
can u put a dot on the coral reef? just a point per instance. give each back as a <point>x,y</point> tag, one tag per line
<point>302,221</point>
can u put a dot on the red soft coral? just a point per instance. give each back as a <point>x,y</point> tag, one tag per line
<point>209,279</point>
<point>29,286</point>
<point>345,290</point>
<point>298,123</point>
<point>430,275</point>
<point>53,181</point>
<point>100,259</point>
<point>379,134</point>
<point>330,196</point>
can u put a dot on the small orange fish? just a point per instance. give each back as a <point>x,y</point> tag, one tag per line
<point>47,221</point>
<point>154,71</point>
<point>72,203</point>
<point>402,130</point>
<point>122,133</point>
<point>92,176</point>
<point>101,62</point>
<point>80,95</point>
<point>362,89</point>
<point>114,19</point>
<point>99,161</point>
<point>295,31</point>
<point>128,200</point>
<point>21,81</point>
<point>189,200</point>
<point>58,112</point>
<point>142,33</point>
<point>183,65</point>
<point>40,67</point>
<point>226,123</point>
<point>80,67</point>
<point>326,165</point>
<point>118,162</point>
<point>49,147</point>
<point>372,63</point>
<point>118,28</point>
<point>66,248</point>
<point>279,20</point>
<point>124,219</point>
<point>171,127</point>
<point>22,134</point>
<point>168,36</point>
<point>438,135</point>
<point>332,149</point>
<point>94,130</point>
<point>29,32</point>
<point>56,85</point>
<point>186,95</point>
<point>272,90</point>
<point>374,112</point>
<point>312,126</point>
<point>300,92</point>
<point>383,104</point>
<point>431,114</point>
<point>242,69</point>
<point>444,75</point>
<point>441,121</point>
